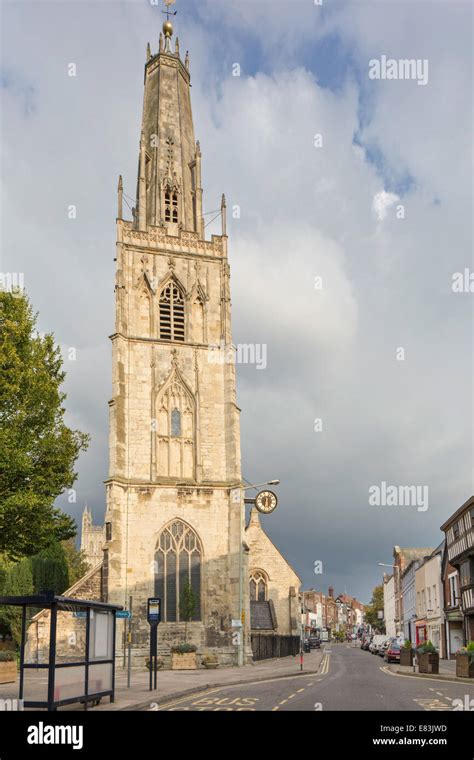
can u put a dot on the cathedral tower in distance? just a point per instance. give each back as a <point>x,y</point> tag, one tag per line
<point>174,501</point>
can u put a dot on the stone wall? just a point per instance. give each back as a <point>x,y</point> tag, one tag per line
<point>283,582</point>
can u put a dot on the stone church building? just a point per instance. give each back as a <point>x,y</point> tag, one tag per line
<point>174,520</point>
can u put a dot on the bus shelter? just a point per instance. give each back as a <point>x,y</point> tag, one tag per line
<point>67,651</point>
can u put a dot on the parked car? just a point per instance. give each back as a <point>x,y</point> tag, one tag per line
<point>366,641</point>
<point>377,642</point>
<point>386,644</point>
<point>392,652</point>
<point>314,642</point>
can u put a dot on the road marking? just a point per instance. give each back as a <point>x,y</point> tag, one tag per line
<point>324,665</point>
<point>432,704</point>
<point>283,701</point>
<point>419,678</point>
<point>239,685</point>
<point>300,690</point>
<point>291,696</point>
<point>218,704</point>
<point>275,708</point>
<point>186,699</point>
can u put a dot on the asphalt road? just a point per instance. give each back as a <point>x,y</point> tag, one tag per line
<point>350,679</point>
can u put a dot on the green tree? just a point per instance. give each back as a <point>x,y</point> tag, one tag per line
<point>50,569</point>
<point>37,450</point>
<point>18,582</point>
<point>76,561</point>
<point>372,610</point>
<point>187,606</point>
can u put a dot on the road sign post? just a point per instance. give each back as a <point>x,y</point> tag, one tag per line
<point>154,619</point>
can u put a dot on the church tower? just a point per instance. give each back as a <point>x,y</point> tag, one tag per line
<point>174,501</point>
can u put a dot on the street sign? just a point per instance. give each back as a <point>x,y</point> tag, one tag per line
<point>80,614</point>
<point>126,614</point>
<point>154,618</point>
<point>236,624</point>
<point>154,610</point>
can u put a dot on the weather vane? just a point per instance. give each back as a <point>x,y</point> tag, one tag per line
<point>167,11</point>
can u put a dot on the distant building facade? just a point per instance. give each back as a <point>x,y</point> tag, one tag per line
<point>92,539</point>
<point>389,608</point>
<point>459,531</point>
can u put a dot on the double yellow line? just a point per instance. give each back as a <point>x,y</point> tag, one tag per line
<point>324,665</point>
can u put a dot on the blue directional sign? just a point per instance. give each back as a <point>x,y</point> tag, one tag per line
<point>123,614</point>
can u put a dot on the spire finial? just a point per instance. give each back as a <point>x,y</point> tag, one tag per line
<point>224,216</point>
<point>148,51</point>
<point>120,205</point>
<point>168,26</point>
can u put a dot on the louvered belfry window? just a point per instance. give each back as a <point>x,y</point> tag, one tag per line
<point>172,313</point>
<point>171,207</point>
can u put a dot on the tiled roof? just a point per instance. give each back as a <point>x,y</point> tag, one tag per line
<point>262,616</point>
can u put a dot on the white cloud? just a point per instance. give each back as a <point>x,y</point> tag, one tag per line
<point>382,202</point>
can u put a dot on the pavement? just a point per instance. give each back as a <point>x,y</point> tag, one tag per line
<point>348,679</point>
<point>173,684</point>
<point>447,672</point>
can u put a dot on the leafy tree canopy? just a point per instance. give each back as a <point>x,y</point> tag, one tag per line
<point>37,449</point>
<point>375,606</point>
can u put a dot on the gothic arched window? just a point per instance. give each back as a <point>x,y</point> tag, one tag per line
<point>175,431</point>
<point>258,586</point>
<point>175,423</point>
<point>172,313</point>
<point>171,206</point>
<point>178,567</point>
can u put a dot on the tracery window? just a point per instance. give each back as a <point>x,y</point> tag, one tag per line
<point>175,432</point>
<point>178,560</point>
<point>258,586</point>
<point>172,313</point>
<point>175,423</point>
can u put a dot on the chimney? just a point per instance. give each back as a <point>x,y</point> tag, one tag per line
<point>331,592</point>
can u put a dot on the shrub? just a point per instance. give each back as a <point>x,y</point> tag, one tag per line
<point>426,648</point>
<point>7,656</point>
<point>407,644</point>
<point>184,648</point>
<point>469,650</point>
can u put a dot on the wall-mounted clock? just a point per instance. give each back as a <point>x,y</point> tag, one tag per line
<point>266,502</point>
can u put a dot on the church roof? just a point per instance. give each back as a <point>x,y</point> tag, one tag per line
<point>263,616</point>
<point>254,522</point>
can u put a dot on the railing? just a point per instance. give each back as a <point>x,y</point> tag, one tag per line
<point>266,646</point>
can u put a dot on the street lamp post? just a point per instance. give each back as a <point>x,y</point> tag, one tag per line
<point>240,656</point>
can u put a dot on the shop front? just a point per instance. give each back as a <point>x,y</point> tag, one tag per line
<point>454,633</point>
<point>421,632</point>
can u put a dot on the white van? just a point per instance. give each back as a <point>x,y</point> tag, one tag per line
<point>377,642</point>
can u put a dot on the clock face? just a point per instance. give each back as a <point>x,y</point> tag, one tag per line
<point>266,502</point>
